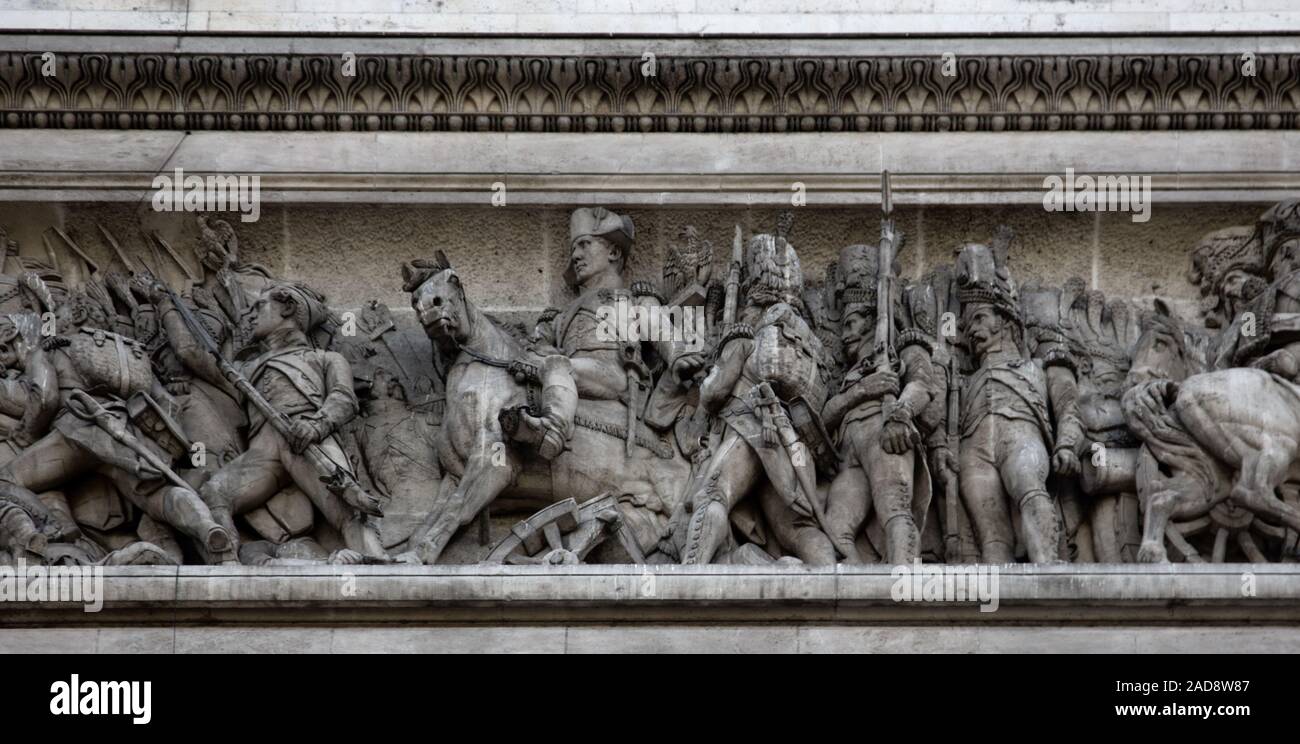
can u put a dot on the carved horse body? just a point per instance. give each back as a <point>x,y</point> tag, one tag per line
<point>1208,436</point>
<point>480,460</point>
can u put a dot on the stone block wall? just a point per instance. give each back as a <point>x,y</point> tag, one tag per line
<point>512,258</point>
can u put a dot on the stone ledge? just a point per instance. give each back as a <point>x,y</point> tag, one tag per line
<point>1064,595</point>
<point>673,17</point>
<point>652,169</point>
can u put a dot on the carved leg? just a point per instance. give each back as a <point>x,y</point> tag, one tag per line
<point>551,431</point>
<point>847,506</point>
<point>1023,468</point>
<point>482,482</point>
<point>437,520</point>
<point>986,505</point>
<point>1042,524</point>
<point>891,492</point>
<point>1262,472</point>
<point>358,531</point>
<point>46,465</point>
<point>1157,508</point>
<point>246,482</point>
<point>796,529</point>
<point>183,509</point>
<point>730,473</point>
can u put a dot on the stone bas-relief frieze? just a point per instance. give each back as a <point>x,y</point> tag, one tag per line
<point>179,405</point>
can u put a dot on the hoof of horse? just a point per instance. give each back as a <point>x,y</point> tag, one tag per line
<point>1152,553</point>
<point>561,557</point>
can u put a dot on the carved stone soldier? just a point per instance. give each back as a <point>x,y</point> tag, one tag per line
<point>1006,429</point>
<point>879,444</point>
<point>314,389</point>
<point>1266,331</point>
<point>605,365</point>
<point>1228,268</point>
<point>99,408</point>
<point>229,287</point>
<point>768,375</point>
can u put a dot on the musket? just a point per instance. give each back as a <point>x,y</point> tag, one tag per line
<point>90,263</point>
<point>884,353</point>
<point>952,492</point>
<point>49,251</point>
<point>121,255</point>
<point>336,479</point>
<point>732,297</point>
<point>4,246</point>
<point>158,240</point>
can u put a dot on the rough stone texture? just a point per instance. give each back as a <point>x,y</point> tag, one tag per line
<point>666,17</point>
<point>512,258</point>
<point>705,609</point>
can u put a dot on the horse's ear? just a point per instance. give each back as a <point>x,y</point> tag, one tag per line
<point>1162,308</point>
<point>442,261</point>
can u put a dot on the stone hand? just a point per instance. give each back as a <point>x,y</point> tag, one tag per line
<point>943,463</point>
<point>686,366</point>
<point>896,438</point>
<point>879,384</point>
<point>1065,462</point>
<point>304,433</point>
<point>120,287</point>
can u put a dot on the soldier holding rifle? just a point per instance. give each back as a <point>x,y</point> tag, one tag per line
<point>875,418</point>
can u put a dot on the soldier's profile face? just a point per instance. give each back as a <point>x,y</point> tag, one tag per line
<point>266,316</point>
<point>853,332</point>
<point>1287,258</point>
<point>983,328</point>
<point>590,257</point>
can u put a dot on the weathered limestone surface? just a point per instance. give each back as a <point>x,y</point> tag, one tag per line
<point>513,256</point>
<point>358,180</point>
<point>581,609</point>
<point>541,17</point>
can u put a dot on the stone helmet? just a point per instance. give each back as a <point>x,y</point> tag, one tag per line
<point>856,278</point>
<point>1278,225</point>
<point>309,305</point>
<point>600,223</point>
<point>771,272</point>
<point>983,277</point>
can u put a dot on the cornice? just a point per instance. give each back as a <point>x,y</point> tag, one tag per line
<point>726,92</point>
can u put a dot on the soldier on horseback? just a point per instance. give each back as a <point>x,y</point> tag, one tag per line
<point>1266,332</point>
<point>605,362</point>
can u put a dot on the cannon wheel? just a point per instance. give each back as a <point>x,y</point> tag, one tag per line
<point>564,533</point>
<point>1230,524</point>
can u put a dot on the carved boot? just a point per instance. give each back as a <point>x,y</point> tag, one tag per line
<point>903,540</point>
<point>361,534</point>
<point>1042,526</point>
<point>21,533</point>
<point>186,511</point>
<point>705,533</point>
<point>549,432</point>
